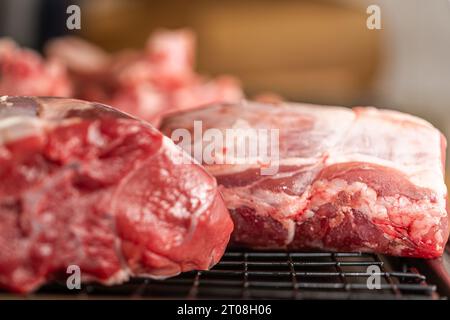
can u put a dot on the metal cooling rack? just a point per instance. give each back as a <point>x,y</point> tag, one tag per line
<point>271,275</point>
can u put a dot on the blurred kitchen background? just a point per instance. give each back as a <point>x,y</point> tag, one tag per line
<point>312,51</point>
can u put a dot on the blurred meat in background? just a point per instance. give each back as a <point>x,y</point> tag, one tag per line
<point>24,72</point>
<point>311,51</point>
<point>146,83</point>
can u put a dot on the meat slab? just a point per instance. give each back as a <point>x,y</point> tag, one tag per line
<point>359,179</point>
<point>83,184</point>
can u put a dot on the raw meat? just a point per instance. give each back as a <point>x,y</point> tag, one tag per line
<point>84,184</point>
<point>348,180</point>
<point>24,72</point>
<point>145,83</point>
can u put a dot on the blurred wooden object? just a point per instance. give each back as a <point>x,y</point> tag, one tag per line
<point>314,51</point>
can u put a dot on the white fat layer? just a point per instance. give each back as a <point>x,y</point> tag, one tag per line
<point>396,140</point>
<point>14,128</point>
<point>60,107</point>
<point>388,138</point>
<point>95,136</point>
<point>394,115</point>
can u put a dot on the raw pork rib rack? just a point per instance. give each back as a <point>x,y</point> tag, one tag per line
<point>84,184</point>
<point>349,180</point>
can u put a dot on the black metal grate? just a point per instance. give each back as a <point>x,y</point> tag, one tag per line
<point>273,275</point>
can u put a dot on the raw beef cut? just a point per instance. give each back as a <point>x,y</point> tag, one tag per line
<point>86,185</point>
<point>359,179</point>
